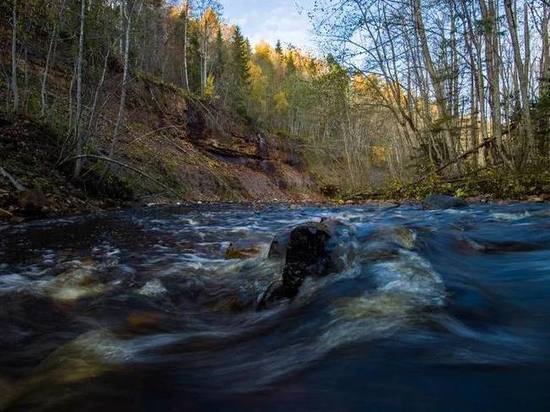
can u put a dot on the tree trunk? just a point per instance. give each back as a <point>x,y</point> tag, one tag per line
<point>49,57</point>
<point>204,57</point>
<point>14,89</point>
<point>98,88</point>
<point>473,48</point>
<point>77,121</point>
<point>435,78</point>
<point>522,70</point>
<point>493,72</point>
<point>185,29</point>
<point>128,12</point>
<point>544,83</point>
<point>545,55</point>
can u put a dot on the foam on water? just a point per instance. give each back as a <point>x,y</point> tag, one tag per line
<point>13,283</point>
<point>410,274</point>
<point>511,217</point>
<point>153,288</point>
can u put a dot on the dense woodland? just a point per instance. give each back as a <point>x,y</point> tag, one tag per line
<point>407,90</point>
<point>467,83</point>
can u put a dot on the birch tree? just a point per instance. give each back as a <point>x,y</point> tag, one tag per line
<point>185,20</point>
<point>128,11</point>
<point>521,65</point>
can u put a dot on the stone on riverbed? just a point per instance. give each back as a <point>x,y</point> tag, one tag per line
<point>443,202</point>
<point>76,283</point>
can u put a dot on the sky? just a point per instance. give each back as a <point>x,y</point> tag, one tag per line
<point>272,20</point>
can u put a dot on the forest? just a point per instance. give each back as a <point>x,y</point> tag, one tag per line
<point>403,97</point>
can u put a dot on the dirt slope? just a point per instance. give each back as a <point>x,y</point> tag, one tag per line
<point>183,150</point>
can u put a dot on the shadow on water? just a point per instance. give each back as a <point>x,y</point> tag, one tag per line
<point>140,311</point>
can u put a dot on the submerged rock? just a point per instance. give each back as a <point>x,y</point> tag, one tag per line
<point>76,283</point>
<point>242,251</point>
<point>140,322</point>
<point>443,202</point>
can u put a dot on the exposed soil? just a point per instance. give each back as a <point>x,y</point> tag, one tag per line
<point>196,161</point>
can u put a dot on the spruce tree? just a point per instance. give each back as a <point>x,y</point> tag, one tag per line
<point>241,74</point>
<point>219,65</point>
<point>279,48</point>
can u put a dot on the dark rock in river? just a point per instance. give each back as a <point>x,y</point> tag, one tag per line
<point>443,202</point>
<point>279,245</point>
<point>314,250</point>
<point>33,202</point>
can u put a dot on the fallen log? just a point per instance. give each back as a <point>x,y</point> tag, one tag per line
<point>5,213</point>
<point>463,156</point>
<point>16,184</point>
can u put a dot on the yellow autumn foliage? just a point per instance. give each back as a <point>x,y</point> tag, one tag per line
<point>281,102</point>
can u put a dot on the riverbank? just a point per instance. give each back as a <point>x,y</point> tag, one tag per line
<point>193,163</point>
<point>492,184</point>
<point>36,183</point>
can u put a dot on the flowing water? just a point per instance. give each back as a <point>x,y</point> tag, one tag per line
<point>140,311</point>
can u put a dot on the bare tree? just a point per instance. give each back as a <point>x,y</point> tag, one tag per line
<point>128,10</point>
<point>78,117</point>
<point>185,19</point>
<point>49,57</point>
<point>435,76</point>
<point>521,66</point>
<point>14,89</point>
<point>206,11</point>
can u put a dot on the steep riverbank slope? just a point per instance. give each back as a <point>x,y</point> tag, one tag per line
<point>174,148</point>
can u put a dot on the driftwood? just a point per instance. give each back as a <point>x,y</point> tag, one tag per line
<point>124,165</point>
<point>16,184</point>
<point>5,213</point>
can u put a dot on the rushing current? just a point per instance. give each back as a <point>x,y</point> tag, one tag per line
<point>445,310</point>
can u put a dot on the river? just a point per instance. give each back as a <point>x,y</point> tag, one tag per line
<point>445,310</point>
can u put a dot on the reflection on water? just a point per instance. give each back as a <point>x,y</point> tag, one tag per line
<point>139,310</point>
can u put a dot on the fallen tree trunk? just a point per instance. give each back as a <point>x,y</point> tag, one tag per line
<point>461,157</point>
<point>5,213</point>
<point>16,184</point>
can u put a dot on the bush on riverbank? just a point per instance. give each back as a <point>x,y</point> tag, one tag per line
<point>492,182</point>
